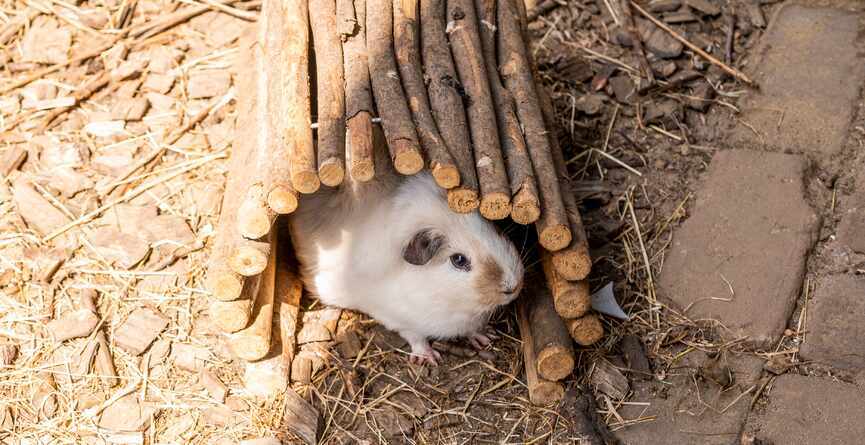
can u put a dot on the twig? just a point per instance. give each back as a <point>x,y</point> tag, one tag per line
<point>733,71</point>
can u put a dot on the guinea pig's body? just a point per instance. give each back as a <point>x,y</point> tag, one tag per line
<point>392,248</point>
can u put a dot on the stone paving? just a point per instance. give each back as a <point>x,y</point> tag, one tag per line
<point>740,257</point>
<point>742,260</point>
<point>810,76</point>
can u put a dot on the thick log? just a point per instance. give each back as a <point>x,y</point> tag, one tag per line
<point>296,94</point>
<point>553,228</point>
<point>526,206</point>
<point>462,29</point>
<point>572,299</point>
<point>585,330</point>
<point>330,95</point>
<point>407,48</point>
<point>541,391</point>
<point>253,342</point>
<point>358,97</point>
<point>390,100</point>
<point>447,104</point>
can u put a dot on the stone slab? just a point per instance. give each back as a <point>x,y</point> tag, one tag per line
<point>740,258</point>
<point>679,416</point>
<point>836,323</point>
<point>812,410</point>
<point>851,229</point>
<point>810,76</point>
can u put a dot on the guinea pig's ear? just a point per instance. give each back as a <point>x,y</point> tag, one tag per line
<point>422,247</point>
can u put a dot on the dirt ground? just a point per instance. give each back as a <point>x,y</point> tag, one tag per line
<point>72,220</point>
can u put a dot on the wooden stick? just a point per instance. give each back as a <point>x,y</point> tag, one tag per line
<point>553,230</point>
<point>462,29</point>
<point>249,257</point>
<point>289,290</point>
<point>346,20</point>
<point>221,280</point>
<point>407,46</point>
<point>271,109</point>
<point>390,101</point>
<point>253,342</point>
<point>296,95</point>
<point>526,206</point>
<point>553,346</point>
<point>585,330</point>
<point>447,104</point>
<point>330,91</point>
<point>572,298</point>
<point>254,216</point>
<point>358,98</point>
<point>573,262</point>
<point>232,316</point>
<point>541,391</point>
<point>732,71</point>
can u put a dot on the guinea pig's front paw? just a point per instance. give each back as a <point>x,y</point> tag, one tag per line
<point>483,338</point>
<point>422,352</point>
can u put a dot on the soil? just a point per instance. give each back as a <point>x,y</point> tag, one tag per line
<point>638,160</point>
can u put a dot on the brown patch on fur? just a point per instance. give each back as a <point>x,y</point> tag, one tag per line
<point>489,282</point>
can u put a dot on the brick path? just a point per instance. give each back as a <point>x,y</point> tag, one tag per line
<point>759,254</point>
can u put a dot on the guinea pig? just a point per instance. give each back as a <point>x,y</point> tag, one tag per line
<point>391,248</point>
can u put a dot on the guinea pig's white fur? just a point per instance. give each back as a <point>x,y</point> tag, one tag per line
<point>351,244</point>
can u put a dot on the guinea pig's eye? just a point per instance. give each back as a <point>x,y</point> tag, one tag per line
<point>461,262</point>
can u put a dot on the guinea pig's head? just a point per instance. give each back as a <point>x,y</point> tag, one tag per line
<point>460,260</point>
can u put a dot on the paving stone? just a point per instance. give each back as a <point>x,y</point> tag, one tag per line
<point>809,76</point>
<point>812,410</point>
<point>835,328</point>
<point>851,230</point>
<point>680,417</point>
<point>740,257</point>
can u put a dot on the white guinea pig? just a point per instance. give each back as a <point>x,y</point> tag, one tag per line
<point>392,248</point>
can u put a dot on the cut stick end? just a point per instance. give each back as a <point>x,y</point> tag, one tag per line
<point>282,200</point>
<point>573,299</point>
<point>495,206</point>
<point>254,223</point>
<point>331,172</point>
<point>362,170</point>
<point>555,237</point>
<point>546,393</point>
<point>446,176</point>
<point>247,261</point>
<point>250,348</point>
<point>225,286</point>
<point>229,317</point>
<point>555,362</point>
<point>573,263</point>
<point>462,200</point>
<point>586,330</point>
<point>407,159</point>
<point>305,181</point>
<point>525,212</point>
